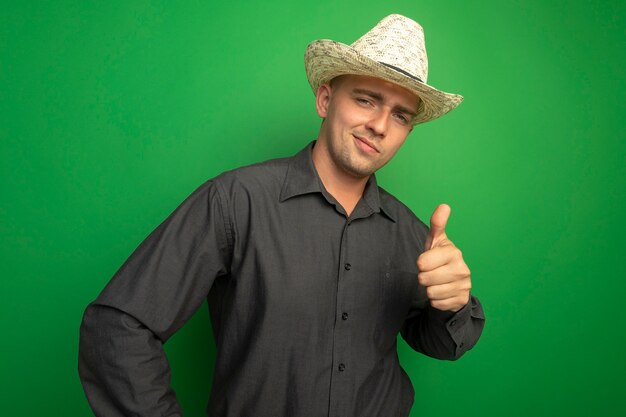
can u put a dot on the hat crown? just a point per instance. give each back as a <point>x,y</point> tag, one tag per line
<point>398,42</point>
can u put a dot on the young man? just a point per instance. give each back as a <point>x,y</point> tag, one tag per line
<point>310,269</point>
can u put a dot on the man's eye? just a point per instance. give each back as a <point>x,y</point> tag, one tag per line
<point>362,101</point>
<point>402,118</point>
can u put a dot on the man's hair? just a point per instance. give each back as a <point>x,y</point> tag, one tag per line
<point>336,82</point>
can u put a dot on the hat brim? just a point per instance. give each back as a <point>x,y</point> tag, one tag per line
<point>326,59</point>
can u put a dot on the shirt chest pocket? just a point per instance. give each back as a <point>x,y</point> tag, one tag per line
<point>399,292</point>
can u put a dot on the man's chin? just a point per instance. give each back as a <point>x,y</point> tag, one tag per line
<point>360,172</point>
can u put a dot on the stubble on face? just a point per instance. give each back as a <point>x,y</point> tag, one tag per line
<point>343,155</point>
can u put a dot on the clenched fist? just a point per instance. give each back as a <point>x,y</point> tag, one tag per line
<point>443,271</point>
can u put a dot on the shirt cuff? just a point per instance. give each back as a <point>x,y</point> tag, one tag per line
<point>455,322</point>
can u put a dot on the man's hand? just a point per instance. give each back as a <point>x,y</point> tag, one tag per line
<point>442,269</point>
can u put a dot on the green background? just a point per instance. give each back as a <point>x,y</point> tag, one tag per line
<point>111,113</point>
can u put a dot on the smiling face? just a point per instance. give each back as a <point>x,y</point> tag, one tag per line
<point>366,120</point>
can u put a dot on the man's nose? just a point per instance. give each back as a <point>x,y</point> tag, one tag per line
<point>377,123</point>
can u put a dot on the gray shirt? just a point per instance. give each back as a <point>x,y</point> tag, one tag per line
<point>305,302</point>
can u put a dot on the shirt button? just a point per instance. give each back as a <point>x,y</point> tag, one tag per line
<point>342,367</point>
<point>347,267</point>
<point>452,323</point>
<point>344,316</point>
<point>387,274</point>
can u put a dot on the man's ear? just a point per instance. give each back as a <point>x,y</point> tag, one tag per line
<point>322,100</point>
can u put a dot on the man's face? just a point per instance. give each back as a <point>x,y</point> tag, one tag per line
<point>366,120</point>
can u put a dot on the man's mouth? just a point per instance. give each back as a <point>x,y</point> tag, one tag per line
<point>366,145</point>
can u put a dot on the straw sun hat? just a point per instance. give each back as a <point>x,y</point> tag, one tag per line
<point>393,50</point>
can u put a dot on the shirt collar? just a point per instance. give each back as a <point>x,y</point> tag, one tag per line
<point>302,178</point>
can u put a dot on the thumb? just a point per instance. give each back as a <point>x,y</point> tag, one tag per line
<point>437,225</point>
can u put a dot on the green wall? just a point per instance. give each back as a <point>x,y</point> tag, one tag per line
<point>112,112</point>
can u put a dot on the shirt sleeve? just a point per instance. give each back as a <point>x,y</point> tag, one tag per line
<point>121,362</point>
<point>444,334</point>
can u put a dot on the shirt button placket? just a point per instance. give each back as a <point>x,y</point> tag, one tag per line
<point>341,354</point>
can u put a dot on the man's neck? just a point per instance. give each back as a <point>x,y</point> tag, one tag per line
<point>345,188</point>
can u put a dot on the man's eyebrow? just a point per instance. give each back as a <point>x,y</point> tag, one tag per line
<point>379,97</point>
<point>372,94</point>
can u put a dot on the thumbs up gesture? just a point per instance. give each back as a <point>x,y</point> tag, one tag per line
<point>443,271</point>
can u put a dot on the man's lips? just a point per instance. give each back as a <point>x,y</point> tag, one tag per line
<point>368,145</point>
